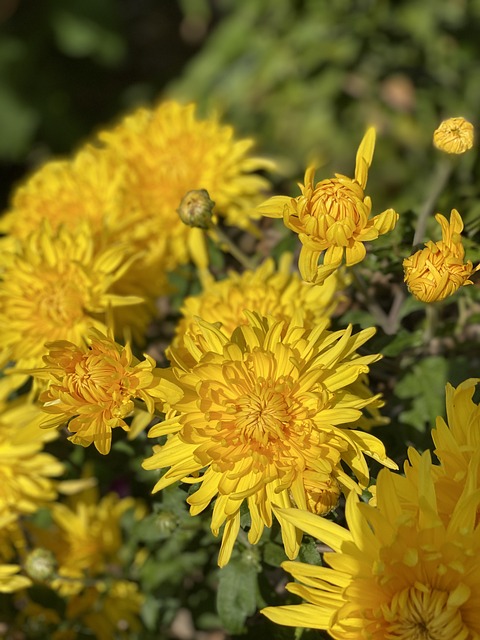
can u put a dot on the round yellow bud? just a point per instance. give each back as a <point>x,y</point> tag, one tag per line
<point>196,209</point>
<point>454,135</point>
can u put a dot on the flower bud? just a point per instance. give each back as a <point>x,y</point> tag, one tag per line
<point>438,270</point>
<point>454,135</point>
<point>322,498</point>
<point>41,564</point>
<point>196,209</point>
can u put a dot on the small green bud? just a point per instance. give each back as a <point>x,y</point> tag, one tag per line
<point>41,564</point>
<point>166,522</point>
<point>196,209</point>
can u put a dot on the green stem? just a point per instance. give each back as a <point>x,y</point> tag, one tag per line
<point>431,322</point>
<point>440,179</point>
<point>244,260</point>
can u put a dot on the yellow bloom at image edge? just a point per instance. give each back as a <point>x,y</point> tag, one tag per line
<point>396,573</point>
<point>439,270</point>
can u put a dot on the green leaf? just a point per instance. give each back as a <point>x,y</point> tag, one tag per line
<point>274,554</point>
<point>236,595</point>
<point>424,386</point>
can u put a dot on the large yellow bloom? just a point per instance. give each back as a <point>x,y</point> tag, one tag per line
<point>266,290</point>
<point>267,416</point>
<point>55,287</point>
<point>87,188</point>
<point>332,217</point>
<point>26,472</point>
<point>438,270</point>
<point>167,151</point>
<point>92,388</point>
<point>395,573</point>
<point>90,189</point>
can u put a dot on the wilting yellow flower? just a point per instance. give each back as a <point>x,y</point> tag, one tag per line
<point>395,573</point>
<point>92,388</point>
<point>26,472</point>
<point>167,151</point>
<point>332,217</point>
<point>454,135</point>
<point>438,270</point>
<point>266,290</point>
<point>266,414</point>
<point>55,287</point>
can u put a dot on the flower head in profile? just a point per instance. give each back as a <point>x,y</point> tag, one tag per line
<point>27,472</point>
<point>438,271</point>
<point>168,152</point>
<point>267,416</point>
<point>267,291</point>
<point>92,388</point>
<point>55,287</point>
<point>332,217</point>
<point>396,573</point>
<point>454,135</point>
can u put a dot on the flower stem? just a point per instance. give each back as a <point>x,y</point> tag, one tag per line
<point>243,259</point>
<point>431,322</point>
<point>440,179</point>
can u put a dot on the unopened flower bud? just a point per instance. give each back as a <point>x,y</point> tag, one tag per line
<point>321,499</point>
<point>166,522</point>
<point>41,564</point>
<point>454,135</point>
<point>196,209</point>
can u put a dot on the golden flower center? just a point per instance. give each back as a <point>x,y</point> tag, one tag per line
<point>421,613</point>
<point>339,199</point>
<point>60,303</point>
<point>267,413</point>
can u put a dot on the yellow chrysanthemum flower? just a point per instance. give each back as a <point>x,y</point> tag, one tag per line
<point>87,188</point>
<point>332,217</point>
<point>439,270</point>
<point>267,415</point>
<point>454,135</point>
<point>9,579</point>
<point>85,538</point>
<point>167,152</point>
<point>108,611</point>
<point>266,290</point>
<point>91,188</point>
<point>55,287</point>
<point>395,573</point>
<point>92,388</point>
<point>26,472</point>
<point>457,446</point>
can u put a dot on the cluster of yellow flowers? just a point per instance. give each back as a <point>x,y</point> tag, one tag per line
<point>264,408</point>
